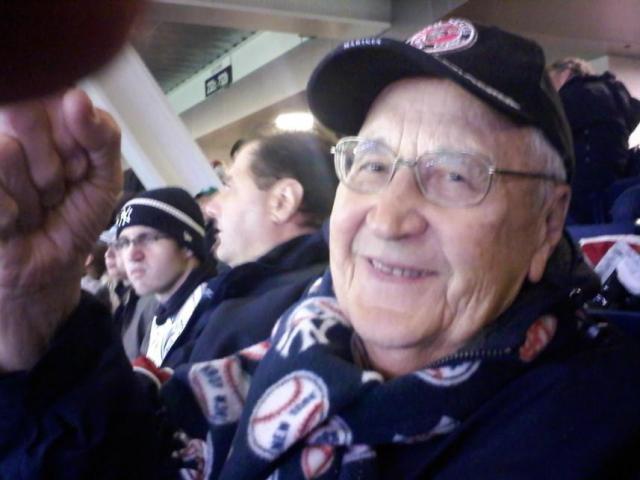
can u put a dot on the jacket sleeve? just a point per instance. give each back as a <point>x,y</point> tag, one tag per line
<point>81,412</point>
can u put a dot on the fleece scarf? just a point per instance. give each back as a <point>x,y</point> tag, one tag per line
<point>305,404</point>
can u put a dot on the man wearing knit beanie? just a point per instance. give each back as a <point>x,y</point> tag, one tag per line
<point>160,235</point>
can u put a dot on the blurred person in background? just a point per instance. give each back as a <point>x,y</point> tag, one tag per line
<point>203,197</point>
<point>95,279</point>
<point>602,115</point>
<point>132,315</point>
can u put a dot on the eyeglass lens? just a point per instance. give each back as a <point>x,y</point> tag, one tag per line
<point>445,177</point>
<point>142,240</point>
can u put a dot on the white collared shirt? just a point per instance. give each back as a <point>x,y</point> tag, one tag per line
<point>162,337</point>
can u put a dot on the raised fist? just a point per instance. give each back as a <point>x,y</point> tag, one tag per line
<point>60,177</point>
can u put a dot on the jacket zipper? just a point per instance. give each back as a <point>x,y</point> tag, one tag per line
<point>472,355</point>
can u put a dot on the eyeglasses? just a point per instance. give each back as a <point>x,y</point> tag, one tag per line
<point>450,179</point>
<point>143,240</point>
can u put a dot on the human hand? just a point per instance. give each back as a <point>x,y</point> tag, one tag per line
<point>60,177</point>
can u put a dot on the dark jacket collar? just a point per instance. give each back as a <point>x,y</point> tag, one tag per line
<point>197,276</point>
<point>302,250</point>
<point>298,253</point>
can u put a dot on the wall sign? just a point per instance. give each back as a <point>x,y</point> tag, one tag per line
<point>219,80</point>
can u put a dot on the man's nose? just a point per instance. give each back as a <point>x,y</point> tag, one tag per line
<point>133,251</point>
<point>397,211</point>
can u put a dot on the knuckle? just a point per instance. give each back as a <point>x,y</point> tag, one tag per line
<point>49,182</point>
<point>10,149</point>
<point>8,214</point>
<point>48,174</point>
<point>25,121</point>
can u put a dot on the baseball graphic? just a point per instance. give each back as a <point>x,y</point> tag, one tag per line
<point>316,460</point>
<point>287,412</point>
<point>334,431</point>
<point>448,376</point>
<point>220,388</point>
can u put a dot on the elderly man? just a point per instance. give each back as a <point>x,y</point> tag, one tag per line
<point>444,342</point>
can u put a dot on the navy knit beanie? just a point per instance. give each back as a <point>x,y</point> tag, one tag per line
<point>171,211</point>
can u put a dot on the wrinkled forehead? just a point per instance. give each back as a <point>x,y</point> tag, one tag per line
<point>420,114</point>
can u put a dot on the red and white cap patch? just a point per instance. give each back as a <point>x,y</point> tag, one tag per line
<point>448,36</point>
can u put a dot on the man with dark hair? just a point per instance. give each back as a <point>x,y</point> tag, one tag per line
<point>268,213</point>
<point>278,188</point>
<point>278,156</point>
<point>235,147</point>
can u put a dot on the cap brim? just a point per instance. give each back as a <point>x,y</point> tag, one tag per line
<point>108,236</point>
<point>345,84</point>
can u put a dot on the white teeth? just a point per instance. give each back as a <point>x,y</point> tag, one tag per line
<point>397,272</point>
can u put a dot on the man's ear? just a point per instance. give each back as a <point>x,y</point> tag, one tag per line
<point>285,198</point>
<point>555,212</point>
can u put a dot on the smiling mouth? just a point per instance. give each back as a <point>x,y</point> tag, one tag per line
<point>400,272</point>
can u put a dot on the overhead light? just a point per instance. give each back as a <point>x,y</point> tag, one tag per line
<point>295,121</point>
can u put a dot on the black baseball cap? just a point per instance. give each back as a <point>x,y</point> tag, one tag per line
<point>504,70</point>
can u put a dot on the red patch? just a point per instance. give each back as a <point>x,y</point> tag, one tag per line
<point>538,337</point>
<point>448,36</point>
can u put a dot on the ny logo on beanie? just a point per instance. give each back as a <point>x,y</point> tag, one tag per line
<point>125,216</point>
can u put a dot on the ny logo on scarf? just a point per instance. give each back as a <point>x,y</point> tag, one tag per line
<point>308,324</point>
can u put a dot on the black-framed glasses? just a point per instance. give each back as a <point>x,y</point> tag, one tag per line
<point>142,240</point>
<point>451,179</point>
